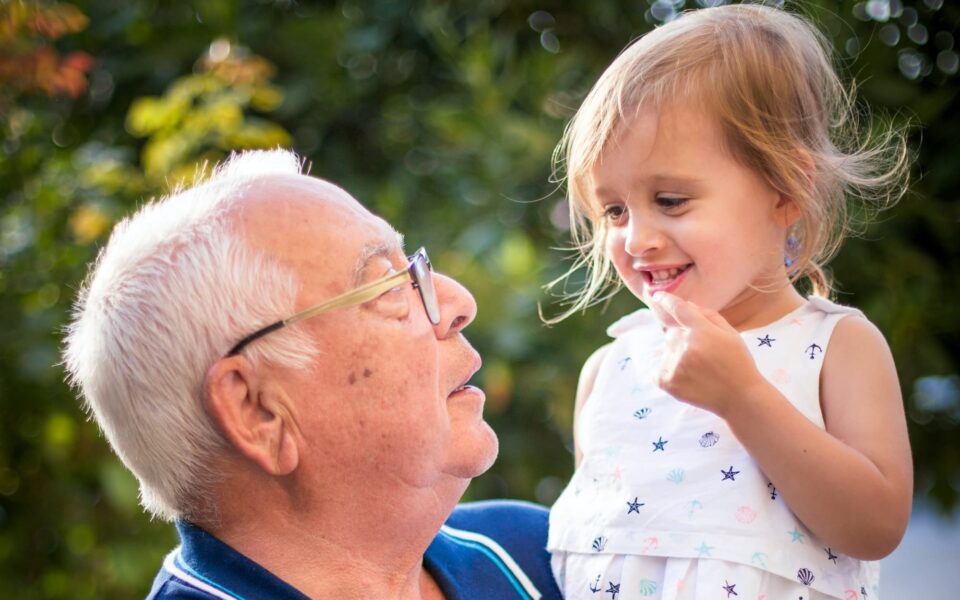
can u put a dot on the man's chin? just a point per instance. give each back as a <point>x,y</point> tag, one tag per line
<point>476,453</point>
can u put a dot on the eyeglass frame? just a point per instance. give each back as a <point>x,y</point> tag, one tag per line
<point>419,272</point>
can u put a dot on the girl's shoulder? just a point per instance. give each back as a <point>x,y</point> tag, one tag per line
<point>828,306</point>
<point>639,319</point>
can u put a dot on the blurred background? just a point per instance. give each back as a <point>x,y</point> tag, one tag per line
<point>441,117</point>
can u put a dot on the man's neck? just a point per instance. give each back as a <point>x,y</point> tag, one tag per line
<point>344,548</point>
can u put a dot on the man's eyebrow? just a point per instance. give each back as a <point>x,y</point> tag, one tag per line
<point>371,250</point>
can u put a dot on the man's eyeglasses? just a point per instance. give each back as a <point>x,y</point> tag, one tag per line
<point>418,271</point>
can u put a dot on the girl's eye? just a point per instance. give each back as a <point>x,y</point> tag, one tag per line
<point>671,202</point>
<point>614,213</point>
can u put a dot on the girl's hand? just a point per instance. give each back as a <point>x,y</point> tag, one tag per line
<point>706,363</point>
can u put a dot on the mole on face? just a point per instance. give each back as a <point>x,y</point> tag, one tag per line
<point>367,373</point>
<point>352,379</point>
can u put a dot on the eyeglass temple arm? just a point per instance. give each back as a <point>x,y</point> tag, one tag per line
<point>357,296</point>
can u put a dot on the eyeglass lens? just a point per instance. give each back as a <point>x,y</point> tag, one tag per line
<point>423,278</point>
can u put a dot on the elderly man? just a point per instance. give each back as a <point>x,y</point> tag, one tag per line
<point>294,392</point>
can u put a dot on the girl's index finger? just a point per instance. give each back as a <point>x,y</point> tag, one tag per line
<point>686,314</point>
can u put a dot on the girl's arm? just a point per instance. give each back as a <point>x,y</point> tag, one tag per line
<point>588,375</point>
<point>851,484</point>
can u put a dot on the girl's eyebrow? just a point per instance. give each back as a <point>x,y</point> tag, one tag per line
<point>675,180</point>
<point>655,181</point>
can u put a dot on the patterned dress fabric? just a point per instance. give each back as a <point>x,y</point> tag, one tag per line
<point>666,503</point>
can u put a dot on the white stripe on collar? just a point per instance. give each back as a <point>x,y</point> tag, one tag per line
<point>502,554</point>
<point>170,564</point>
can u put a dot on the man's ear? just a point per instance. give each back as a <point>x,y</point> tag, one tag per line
<point>252,415</point>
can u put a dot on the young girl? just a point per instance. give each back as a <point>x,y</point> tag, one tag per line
<point>737,439</point>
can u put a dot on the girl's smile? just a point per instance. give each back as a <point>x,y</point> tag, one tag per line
<point>661,278</point>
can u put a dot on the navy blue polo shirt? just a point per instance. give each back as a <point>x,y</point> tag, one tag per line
<point>485,551</point>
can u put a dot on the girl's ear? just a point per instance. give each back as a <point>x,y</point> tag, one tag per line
<point>787,211</point>
<point>254,416</point>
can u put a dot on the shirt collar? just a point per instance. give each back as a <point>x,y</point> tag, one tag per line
<point>206,558</point>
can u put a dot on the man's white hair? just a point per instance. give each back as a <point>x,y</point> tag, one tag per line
<point>175,287</point>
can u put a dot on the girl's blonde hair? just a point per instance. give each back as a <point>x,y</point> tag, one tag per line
<point>767,78</point>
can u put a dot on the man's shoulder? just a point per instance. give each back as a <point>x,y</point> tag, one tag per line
<point>496,546</point>
<point>515,523</point>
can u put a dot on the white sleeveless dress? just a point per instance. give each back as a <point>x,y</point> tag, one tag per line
<point>667,505</point>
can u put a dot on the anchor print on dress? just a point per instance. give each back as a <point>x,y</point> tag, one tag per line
<point>773,490</point>
<point>623,362</point>
<point>812,351</point>
<point>759,559</point>
<point>831,555</point>
<point>595,586</point>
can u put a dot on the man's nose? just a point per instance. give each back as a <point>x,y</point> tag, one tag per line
<point>643,237</point>
<point>457,306</point>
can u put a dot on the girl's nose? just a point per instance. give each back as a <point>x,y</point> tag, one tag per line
<point>643,237</point>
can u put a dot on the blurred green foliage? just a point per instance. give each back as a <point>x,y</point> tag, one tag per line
<point>440,116</point>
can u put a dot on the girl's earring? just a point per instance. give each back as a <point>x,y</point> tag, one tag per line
<point>793,247</point>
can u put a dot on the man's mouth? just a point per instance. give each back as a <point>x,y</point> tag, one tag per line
<point>465,383</point>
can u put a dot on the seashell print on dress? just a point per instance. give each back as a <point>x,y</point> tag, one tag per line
<point>745,514</point>
<point>709,439</point>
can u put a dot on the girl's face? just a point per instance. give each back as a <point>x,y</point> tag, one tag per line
<point>683,216</point>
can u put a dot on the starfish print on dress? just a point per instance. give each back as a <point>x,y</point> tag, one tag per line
<point>796,535</point>
<point>658,445</point>
<point>767,341</point>
<point>704,550</point>
<point>729,588</point>
<point>634,506</point>
<point>614,589</point>
<point>731,474</point>
<point>831,555</point>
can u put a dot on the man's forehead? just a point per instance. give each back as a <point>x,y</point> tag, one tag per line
<point>304,219</point>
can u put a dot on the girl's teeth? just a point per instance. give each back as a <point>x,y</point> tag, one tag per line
<point>664,275</point>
